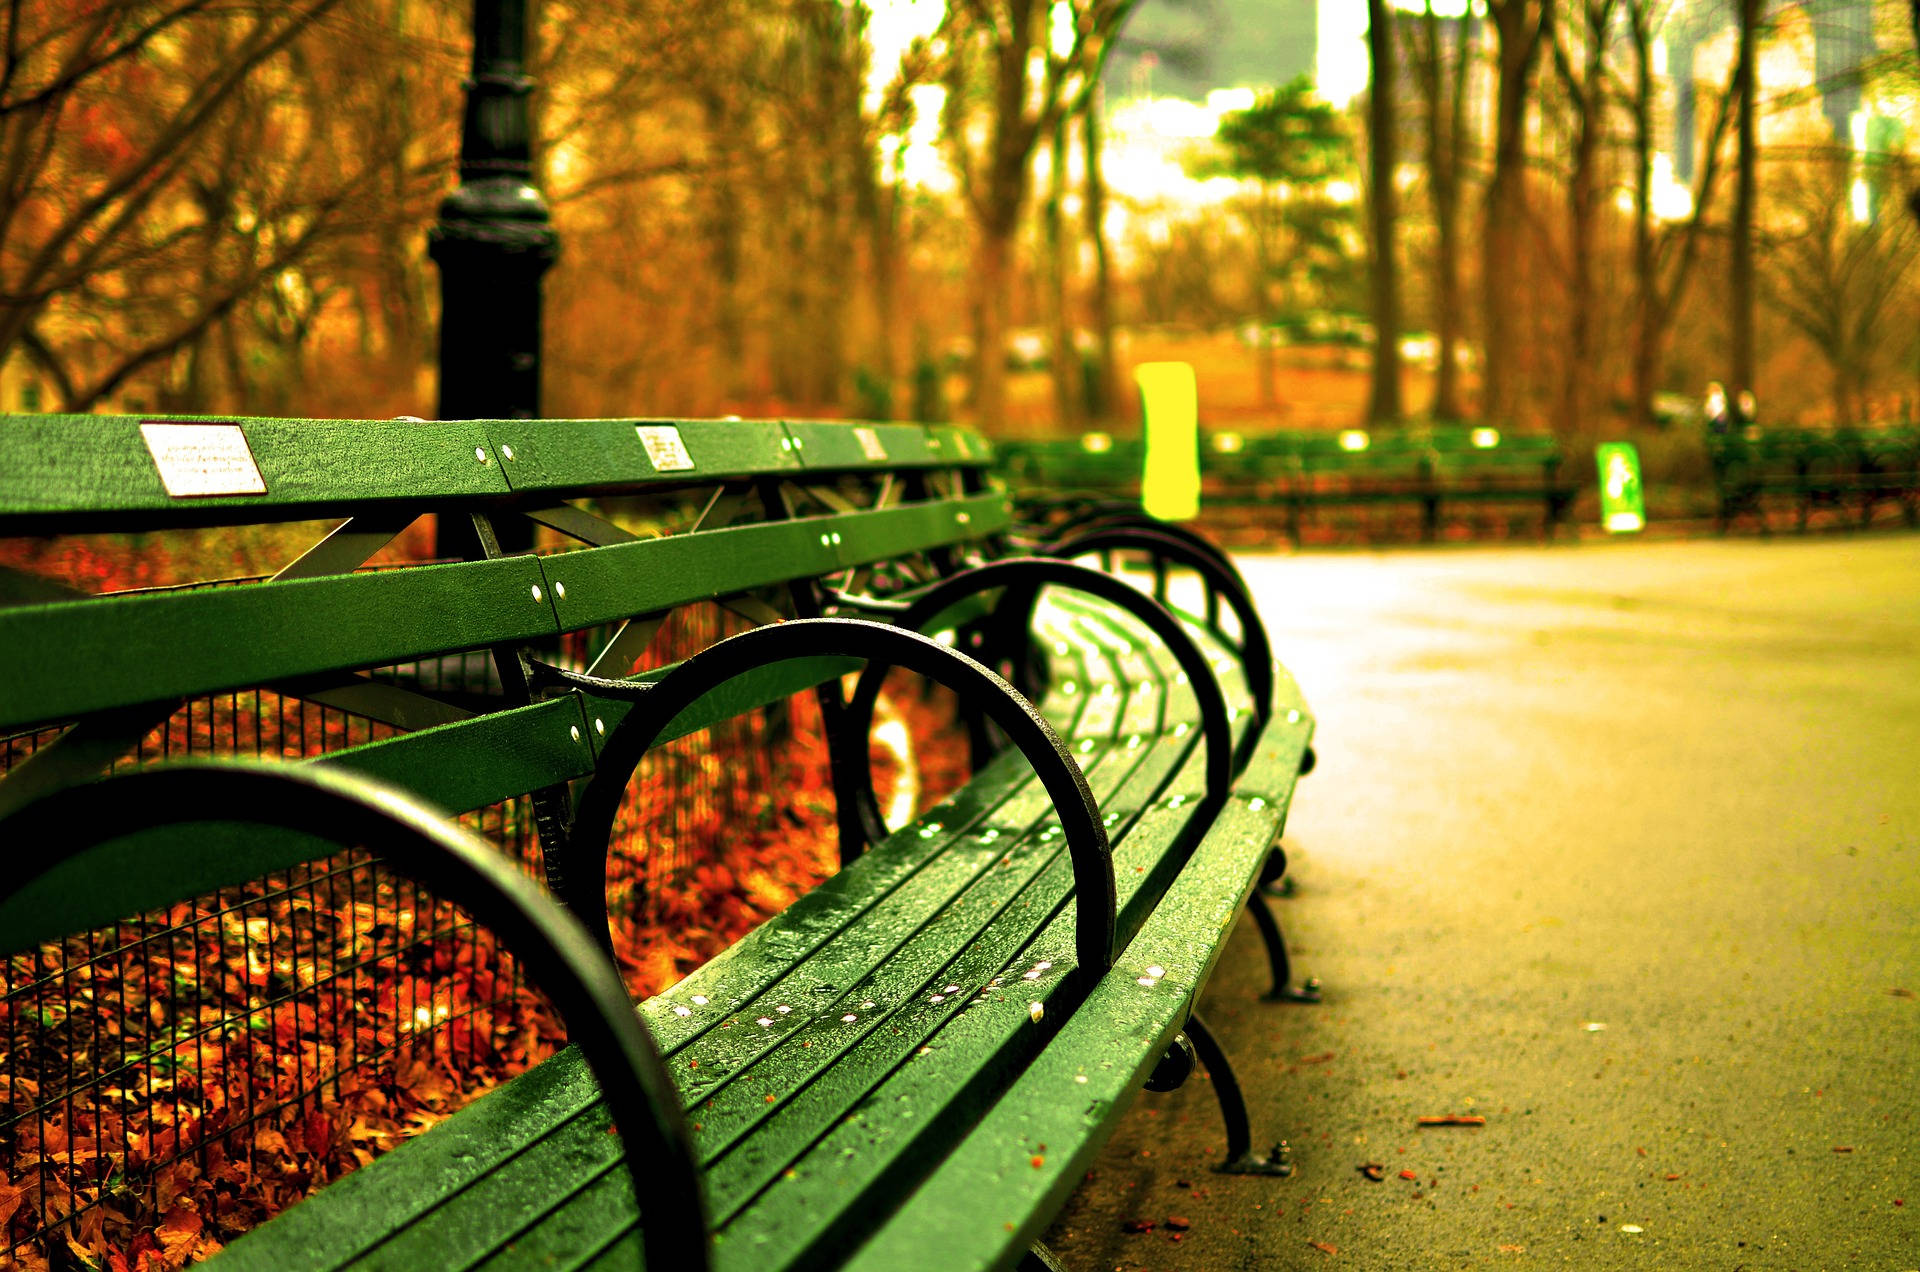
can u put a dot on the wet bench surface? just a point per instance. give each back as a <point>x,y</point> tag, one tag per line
<point>840,1061</point>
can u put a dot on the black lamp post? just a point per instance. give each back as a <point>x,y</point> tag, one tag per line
<point>492,243</point>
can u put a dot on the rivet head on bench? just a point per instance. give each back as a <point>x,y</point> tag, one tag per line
<point>538,595</point>
<point>1293,717</point>
<point>480,453</point>
<point>560,590</point>
<point>575,731</point>
<point>600,726</point>
<point>506,451</point>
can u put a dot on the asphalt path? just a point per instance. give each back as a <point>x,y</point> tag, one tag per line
<point>1614,845</point>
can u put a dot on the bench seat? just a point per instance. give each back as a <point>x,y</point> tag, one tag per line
<point>839,1051</point>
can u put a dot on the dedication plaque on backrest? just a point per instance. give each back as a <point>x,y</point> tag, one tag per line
<point>197,461</point>
<point>664,447</point>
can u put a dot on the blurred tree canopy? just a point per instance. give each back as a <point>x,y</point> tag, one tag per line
<point>214,205</point>
<point>165,167</point>
<point>1308,252</point>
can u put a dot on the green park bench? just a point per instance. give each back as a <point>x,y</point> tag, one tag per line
<point>918,1057</point>
<point>1847,471</point>
<point>1293,476</point>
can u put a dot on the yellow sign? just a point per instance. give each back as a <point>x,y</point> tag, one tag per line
<point>1170,399</point>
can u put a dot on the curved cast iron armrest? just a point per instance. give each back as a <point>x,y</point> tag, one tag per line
<point>1026,576</point>
<point>1123,516</point>
<point>1256,653</point>
<point>1095,901</point>
<point>559,954</point>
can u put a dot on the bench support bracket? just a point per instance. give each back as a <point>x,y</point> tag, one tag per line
<point>1241,1159</point>
<point>1284,990</point>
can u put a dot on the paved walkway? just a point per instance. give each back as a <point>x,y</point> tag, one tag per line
<point>1616,845</point>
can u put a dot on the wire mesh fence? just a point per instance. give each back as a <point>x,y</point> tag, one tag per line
<point>190,1072</point>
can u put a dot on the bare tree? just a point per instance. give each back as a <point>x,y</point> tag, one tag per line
<point>1745,196</point>
<point>1836,279</point>
<point>1382,123</point>
<point>1584,83</point>
<point>1664,255</point>
<point>1520,26</point>
<point>1002,62</point>
<point>1106,393</point>
<point>111,158</point>
<point>1441,79</point>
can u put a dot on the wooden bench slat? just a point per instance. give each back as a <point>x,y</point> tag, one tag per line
<point>831,445</point>
<point>556,456</point>
<point>614,582</point>
<point>93,473</point>
<point>155,646</point>
<point>482,761</point>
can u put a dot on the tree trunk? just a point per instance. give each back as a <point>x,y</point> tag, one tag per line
<point>1646,331</point>
<point>1384,404</point>
<point>1519,24</point>
<point>1446,121</point>
<point>1106,381</point>
<point>1587,91</point>
<point>883,242</point>
<point>1743,204</point>
<point>1266,308</point>
<point>992,267</point>
<point>1064,358</point>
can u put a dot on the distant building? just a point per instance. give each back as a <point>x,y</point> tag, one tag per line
<point>1842,48</point>
<point>1185,48</point>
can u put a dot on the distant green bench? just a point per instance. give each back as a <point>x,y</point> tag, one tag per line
<point>1292,476</point>
<point>1848,471</point>
<point>1050,923</point>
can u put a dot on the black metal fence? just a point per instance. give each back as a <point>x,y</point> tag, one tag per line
<point>232,1053</point>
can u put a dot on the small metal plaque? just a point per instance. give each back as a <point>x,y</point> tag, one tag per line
<point>197,461</point>
<point>870,445</point>
<point>664,447</point>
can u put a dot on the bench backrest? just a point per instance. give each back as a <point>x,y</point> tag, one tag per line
<point>420,674</point>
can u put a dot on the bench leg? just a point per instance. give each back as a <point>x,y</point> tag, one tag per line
<point>1274,879</point>
<point>1241,1159</point>
<point>1278,963</point>
<point>1039,1259</point>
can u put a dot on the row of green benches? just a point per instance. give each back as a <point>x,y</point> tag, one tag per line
<point>914,1061</point>
<point>1297,474</point>
<point>1851,472</point>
